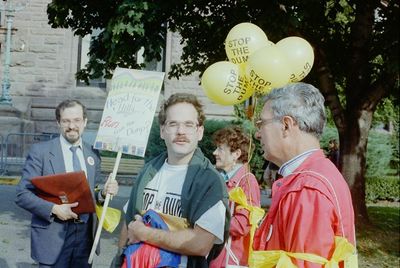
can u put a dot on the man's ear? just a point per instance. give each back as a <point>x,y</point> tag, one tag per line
<point>288,124</point>
<point>161,132</point>
<point>200,132</point>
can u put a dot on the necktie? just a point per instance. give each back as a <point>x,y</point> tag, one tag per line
<point>75,160</point>
<point>77,167</point>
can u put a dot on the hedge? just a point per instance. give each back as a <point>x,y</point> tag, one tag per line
<point>382,188</point>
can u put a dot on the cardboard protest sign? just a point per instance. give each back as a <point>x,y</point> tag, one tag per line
<point>129,111</point>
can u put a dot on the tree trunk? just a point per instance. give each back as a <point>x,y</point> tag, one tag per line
<point>353,146</point>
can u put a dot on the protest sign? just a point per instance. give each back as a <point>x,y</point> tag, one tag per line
<point>129,111</point>
<point>126,122</point>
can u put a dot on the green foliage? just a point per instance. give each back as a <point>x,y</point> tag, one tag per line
<point>380,154</point>
<point>386,112</point>
<point>105,153</point>
<point>126,27</point>
<point>129,25</point>
<point>395,160</point>
<point>328,134</point>
<point>108,153</point>
<point>382,188</point>
<point>257,161</point>
<point>329,118</point>
<point>155,144</point>
<point>382,151</point>
<point>206,144</point>
<point>386,116</point>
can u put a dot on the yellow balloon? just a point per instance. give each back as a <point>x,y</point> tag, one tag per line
<point>300,55</point>
<point>225,83</point>
<point>242,40</point>
<point>267,68</point>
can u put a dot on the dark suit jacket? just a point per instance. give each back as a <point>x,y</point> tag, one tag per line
<point>47,235</point>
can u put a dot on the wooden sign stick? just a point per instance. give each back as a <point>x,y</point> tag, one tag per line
<point>103,214</point>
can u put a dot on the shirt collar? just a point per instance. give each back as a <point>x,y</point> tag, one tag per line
<point>290,166</point>
<point>228,175</point>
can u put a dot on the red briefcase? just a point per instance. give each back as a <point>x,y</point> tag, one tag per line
<point>66,188</point>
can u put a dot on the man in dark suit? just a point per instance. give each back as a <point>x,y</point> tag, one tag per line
<point>60,237</point>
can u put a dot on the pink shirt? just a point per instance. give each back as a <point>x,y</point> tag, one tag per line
<point>239,230</point>
<point>309,207</point>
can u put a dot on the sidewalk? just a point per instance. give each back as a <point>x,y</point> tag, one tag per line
<point>15,232</point>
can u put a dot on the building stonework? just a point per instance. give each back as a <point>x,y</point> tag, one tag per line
<point>43,66</point>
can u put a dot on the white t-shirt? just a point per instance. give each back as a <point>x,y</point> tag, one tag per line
<point>163,194</point>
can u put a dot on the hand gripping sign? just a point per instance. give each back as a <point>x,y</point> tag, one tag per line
<point>126,122</point>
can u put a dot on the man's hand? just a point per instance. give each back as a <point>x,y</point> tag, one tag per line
<point>190,241</point>
<point>111,187</point>
<point>136,230</point>
<point>64,211</point>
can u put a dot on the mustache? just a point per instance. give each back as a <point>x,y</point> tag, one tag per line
<point>181,139</point>
<point>72,129</point>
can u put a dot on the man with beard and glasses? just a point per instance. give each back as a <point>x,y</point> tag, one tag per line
<point>60,237</point>
<point>180,183</point>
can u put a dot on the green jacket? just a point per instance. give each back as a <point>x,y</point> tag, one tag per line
<point>202,189</point>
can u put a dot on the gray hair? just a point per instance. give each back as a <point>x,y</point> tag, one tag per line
<point>303,102</point>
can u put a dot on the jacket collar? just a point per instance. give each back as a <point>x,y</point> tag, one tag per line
<point>291,165</point>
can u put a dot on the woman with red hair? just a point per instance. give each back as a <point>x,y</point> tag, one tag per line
<point>232,156</point>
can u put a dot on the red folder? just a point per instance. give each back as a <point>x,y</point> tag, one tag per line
<point>66,188</point>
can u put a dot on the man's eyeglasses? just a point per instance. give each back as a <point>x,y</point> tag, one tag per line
<point>261,122</point>
<point>187,126</point>
<point>67,122</point>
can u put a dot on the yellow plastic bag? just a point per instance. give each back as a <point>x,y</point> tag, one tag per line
<point>344,251</point>
<point>238,196</point>
<point>111,220</point>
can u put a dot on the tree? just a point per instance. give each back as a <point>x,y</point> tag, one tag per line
<point>355,44</point>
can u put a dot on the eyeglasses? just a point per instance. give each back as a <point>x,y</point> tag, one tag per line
<point>262,122</point>
<point>187,126</point>
<point>67,122</point>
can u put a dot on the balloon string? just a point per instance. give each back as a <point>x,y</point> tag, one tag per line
<point>250,152</point>
<point>250,108</point>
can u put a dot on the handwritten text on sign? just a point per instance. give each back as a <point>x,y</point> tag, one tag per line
<point>129,111</point>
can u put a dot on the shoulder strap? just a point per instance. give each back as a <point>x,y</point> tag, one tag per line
<point>229,252</point>
<point>240,180</point>
<point>329,185</point>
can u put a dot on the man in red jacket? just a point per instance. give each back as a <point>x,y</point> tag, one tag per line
<point>311,204</point>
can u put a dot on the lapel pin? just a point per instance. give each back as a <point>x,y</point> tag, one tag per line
<point>90,160</point>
